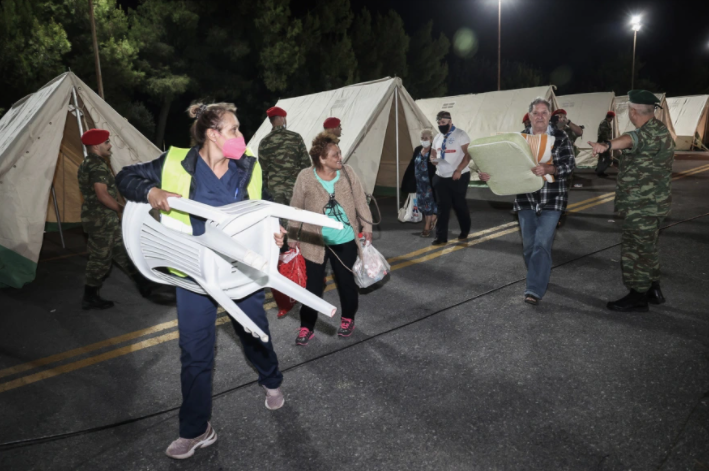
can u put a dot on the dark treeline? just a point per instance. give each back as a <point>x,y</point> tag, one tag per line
<point>157,56</point>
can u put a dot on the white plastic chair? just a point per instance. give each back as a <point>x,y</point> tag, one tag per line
<point>235,257</point>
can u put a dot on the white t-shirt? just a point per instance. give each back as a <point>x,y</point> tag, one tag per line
<point>454,153</point>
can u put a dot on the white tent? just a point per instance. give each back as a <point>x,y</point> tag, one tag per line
<point>369,143</point>
<point>624,124</point>
<point>588,110</point>
<point>486,114</point>
<point>690,118</point>
<point>40,152</point>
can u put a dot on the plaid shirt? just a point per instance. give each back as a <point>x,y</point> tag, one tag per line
<point>552,196</point>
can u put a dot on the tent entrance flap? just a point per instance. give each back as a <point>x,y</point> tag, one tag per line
<point>387,181</point>
<point>66,183</point>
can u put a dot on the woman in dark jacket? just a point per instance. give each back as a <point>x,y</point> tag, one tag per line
<point>418,179</point>
<point>217,173</point>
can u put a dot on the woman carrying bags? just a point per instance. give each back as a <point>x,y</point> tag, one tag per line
<point>329,187</point>
<point>418,179</point>
<point>215,172</point>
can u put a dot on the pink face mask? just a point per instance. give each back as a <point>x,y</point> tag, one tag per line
<point>234,148</point>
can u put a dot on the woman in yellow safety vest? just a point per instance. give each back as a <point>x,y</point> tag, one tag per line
<point>217,171</point>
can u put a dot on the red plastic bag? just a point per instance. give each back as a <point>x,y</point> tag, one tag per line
<point>291,264</point>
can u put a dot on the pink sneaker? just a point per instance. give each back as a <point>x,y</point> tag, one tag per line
<point>347,326</point>
<point>183,448</point>
<point>304,336</point>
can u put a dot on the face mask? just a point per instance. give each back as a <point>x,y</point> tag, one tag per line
<point>444,129</point>
<point>426,144</point>
<point>234,148</point>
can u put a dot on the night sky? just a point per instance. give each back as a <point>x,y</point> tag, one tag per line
<point>578,34</point>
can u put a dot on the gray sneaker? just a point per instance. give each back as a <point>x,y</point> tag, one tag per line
<point>274,398</point>
<point>183,448</point>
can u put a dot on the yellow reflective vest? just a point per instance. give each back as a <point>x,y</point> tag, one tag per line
<point>175,179</point>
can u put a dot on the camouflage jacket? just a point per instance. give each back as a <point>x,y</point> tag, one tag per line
<point>646,171</point>
<point>572,139</point>
<point>282,155</point>
<point>605,131</point>
<point>94,215</point>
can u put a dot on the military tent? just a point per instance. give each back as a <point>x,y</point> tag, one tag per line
<point>624,124</point>
<point>40,152</point>
<point>371,113</point>
<point>486,114</point>
<point>690,118</point>
<point>588,110</point>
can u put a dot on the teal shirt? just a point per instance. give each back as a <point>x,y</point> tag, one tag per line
<point>334,236</point>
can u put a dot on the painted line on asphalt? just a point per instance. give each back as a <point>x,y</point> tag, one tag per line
<point>493,233</point>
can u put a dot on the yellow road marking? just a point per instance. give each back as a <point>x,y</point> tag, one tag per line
<point>438,247</point>
<point>493,233</point>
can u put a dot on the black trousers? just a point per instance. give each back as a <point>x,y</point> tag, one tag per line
<point>604,161</point>
<point>346,286</point>
<point>451,194</point>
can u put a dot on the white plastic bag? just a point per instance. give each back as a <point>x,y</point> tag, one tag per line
<point>370,267</point>
<point>410,211</point>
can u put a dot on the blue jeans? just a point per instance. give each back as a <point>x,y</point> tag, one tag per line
<point>537,238</point>
<point>196,317</point>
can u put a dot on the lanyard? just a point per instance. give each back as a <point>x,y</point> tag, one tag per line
<point>445,139</point>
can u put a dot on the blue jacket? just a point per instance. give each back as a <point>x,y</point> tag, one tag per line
<point>135,181</point>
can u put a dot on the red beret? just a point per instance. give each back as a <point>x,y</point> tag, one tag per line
<point>559,111</point>
<point>611,114</point>
<point>526,118</point>
<point>331,123</point>
<point>276,111</point>
<point>94,137</point>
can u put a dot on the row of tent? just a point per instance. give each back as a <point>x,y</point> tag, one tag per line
<point>40,147</point>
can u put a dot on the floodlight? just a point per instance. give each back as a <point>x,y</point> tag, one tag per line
<point>635,20</point>
<point>636,27</point>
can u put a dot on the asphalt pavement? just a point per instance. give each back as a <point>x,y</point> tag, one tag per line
<point>447,368</point>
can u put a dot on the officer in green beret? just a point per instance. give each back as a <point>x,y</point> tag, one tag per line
<point>643,196</point>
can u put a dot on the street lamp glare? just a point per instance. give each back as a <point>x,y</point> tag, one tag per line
<point>636,27</point>
<point>635,20</point>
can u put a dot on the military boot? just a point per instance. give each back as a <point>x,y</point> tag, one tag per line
<point>92,300</point>
<point>655,296</point>
<point>632,302</point>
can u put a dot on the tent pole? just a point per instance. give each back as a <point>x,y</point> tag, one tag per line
<point>396,123</point>
<point>78,118</point>
<point>56,212</point>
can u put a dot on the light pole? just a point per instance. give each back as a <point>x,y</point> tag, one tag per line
<point>635,25</point>
<point>499,44</point>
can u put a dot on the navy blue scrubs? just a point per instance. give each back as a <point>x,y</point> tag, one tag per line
<point>197,314</point>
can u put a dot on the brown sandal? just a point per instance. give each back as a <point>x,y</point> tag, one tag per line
<point>426,233</point>
<point>529,299</point>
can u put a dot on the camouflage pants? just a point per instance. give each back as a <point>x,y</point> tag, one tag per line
<point>640,256</point>
<point>105,246</point>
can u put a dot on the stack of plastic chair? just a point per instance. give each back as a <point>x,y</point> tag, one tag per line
<point>235,257</point>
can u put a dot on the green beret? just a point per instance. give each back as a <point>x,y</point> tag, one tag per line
<point>643,97</point>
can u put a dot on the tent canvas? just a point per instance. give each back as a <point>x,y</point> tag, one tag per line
<point>624,124</point>
<point>690,119</point>
<point>487,114</point>
<point>369,120</point>
<point>588,110</point>
<point>40,150</point>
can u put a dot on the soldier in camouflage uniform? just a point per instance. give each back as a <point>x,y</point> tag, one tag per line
<point>643,196</point>
<point>282,155</point>
<point>605,134</point>
<point>100,219</point>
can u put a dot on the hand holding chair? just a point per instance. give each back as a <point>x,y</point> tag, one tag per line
<point>235,257</point>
